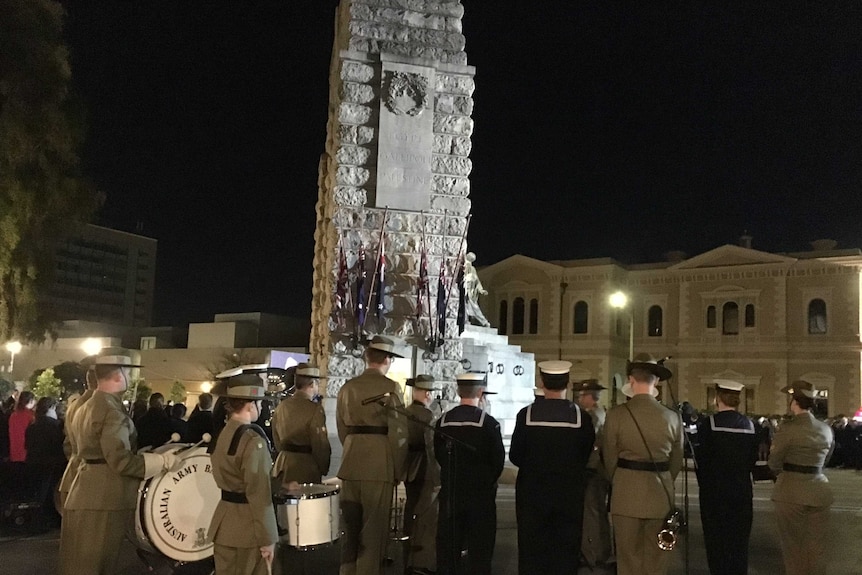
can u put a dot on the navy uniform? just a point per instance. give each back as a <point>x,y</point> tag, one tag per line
<point>596,536</point>
<point>551,444</point>
<point>244,519</point>
<point>421,481</point>
<point>467,526</point>
<point>375,447</point>
<point>802,495</point>
<point>642,472</point>
<point>726,453</point>
<point>299,433</point>
<point>103,495</point>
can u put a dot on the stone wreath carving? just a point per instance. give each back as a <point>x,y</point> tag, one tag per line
<point>406,93</point>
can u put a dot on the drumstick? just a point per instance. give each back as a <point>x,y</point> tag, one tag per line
<point>206,439</point>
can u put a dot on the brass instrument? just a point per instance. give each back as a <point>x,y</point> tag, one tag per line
<point>667,537</point>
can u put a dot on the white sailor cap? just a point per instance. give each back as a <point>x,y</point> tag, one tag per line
<point>555,367</point>
<point>472,378</point>
<point>729,385</point>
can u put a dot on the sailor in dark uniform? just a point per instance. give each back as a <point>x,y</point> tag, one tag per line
<point>467,526</point>
<point>551,444</point>
<point>726,453</point>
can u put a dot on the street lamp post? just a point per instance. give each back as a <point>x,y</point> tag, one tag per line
<point>13,347</point>
<point>620,301</point>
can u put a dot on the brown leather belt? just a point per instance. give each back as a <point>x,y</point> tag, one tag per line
<point>810,469</point>
<point>233,497</point>
<point>367,430</point>
<point>297,448</point>
<point>643,465</point>
<point>95,461</point>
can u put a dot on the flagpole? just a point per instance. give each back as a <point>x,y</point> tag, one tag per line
<point>423,259</point>
<point>458,259</point>
<point>376,265</point>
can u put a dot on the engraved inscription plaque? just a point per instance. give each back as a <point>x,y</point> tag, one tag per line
<point>406,137</point>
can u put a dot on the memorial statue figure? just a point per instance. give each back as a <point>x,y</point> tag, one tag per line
<point>473,288</point>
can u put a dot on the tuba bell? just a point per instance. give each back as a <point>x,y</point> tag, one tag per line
<point>667,537</point>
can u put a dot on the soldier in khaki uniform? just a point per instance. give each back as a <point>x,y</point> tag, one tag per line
<point>596,536</point>
<point>70,445</point>
<point>802,494</point>
<point>642,469</point>
<point>299,432</point>
<point>243,527</point>
<point>422,480</point>
<point>103,495</point>
<point>375,448</point>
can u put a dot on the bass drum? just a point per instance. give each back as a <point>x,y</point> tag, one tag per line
<point>174,509</point>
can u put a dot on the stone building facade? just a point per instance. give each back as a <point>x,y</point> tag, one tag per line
<point>760,318</point>
<point>395,169</point>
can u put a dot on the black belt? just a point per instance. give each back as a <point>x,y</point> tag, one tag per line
<point>233,497</point>
<point>418,448</point>
<point>95,461</point>
<point>297,448</point>
<point>643,465</point>
<point>810,469</point>
<point>367,430</point>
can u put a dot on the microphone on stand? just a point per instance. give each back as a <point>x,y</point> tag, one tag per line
<point>374,398</point>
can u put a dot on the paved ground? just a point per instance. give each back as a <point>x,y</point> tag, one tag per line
<point>38,555</point>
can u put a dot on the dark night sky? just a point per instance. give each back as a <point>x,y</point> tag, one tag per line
<point>601,130</point>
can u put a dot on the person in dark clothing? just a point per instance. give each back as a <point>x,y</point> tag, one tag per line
<point>726,453</point>
<point>46,460</point>
<point>154,427</point>
<point>468,509</point>
<point>551,444</point>
<point>179,425</point>
<point>201,419</point>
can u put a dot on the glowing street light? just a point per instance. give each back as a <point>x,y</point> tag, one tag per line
<point>206,386</point>
<point>620,300</point>
<point>13,347</point>
<point>92,345</point>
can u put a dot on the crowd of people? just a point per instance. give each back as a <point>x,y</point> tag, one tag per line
<point>612,472</point>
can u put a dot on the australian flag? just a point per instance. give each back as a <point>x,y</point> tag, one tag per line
<point>381,281</point>
<point>422,284</point>
<point>361,276</point>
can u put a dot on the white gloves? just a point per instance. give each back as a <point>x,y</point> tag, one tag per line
<point>157,462</point>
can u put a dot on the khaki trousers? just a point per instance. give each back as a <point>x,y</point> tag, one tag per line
<point>803,531</point>
<point>90,540</point>
<point>637,546</point>
<point>420,523</point>
<point>238,560</point>
<point>365,508</point>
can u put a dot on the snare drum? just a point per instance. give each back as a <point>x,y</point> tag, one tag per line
<point>174,509</point>
<point>309,515</point>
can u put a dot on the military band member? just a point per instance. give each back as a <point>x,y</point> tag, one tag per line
<point>101,500</point>
<point>421,480</point>
<point>467,524</point>
<point>70,445</point>
<point>802,496</point>
<point>596,537</point>
<point>243,528</point>
<point>551,443</point>
<point>299,432</point>
<point>725,454</point>
<point>375,448</point>
<point>642,460</point>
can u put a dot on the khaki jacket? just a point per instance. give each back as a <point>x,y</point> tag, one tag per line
<point>421,466</point>
<point>598,416</point>
<point>803,440</point>
<point>70,444</point>
<point>370,457</point>
<point>300,421</point>
<point>640,494</point>
<point>249,524</point>
<point>103,430</point>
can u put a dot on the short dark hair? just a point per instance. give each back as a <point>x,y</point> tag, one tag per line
<point>44,404</point>
<point>642,375</point>
<point>157,400</point>
<point>235,404</point>
<point>803,401</point>
<point>24,399</point>
<point>470,391</point>
<point>728,398</point>
<point>205,401</point>
<point>374,355</point>
<point>555,381</point>
<point>178,410</point>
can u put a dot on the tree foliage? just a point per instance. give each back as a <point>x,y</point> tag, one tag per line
<point>42,192</point>
<point>140,388</point>
<point>72,377</point>
<point>178,392</point>
<point>47,385</point>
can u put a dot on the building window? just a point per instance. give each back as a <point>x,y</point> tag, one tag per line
<point>710,317</point>
<point>730,318</point>
<point>534,316</point>
<point>749,315</point>
<point>504,317</point>
<point>817,317</point>
<point>148,343</point>
<point>654,321</point>
<point>580,320</point>
<point>518,315</point>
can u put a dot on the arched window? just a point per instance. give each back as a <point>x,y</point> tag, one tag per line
<point>504,317</point>
<point>580,321</point>
<point>518,315</point>
<point>710,317</point>
<point>730,318</point>
<point>817,316</point>
<point>749,315</point>
<point>654,321</point>
<point>534,316</point>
